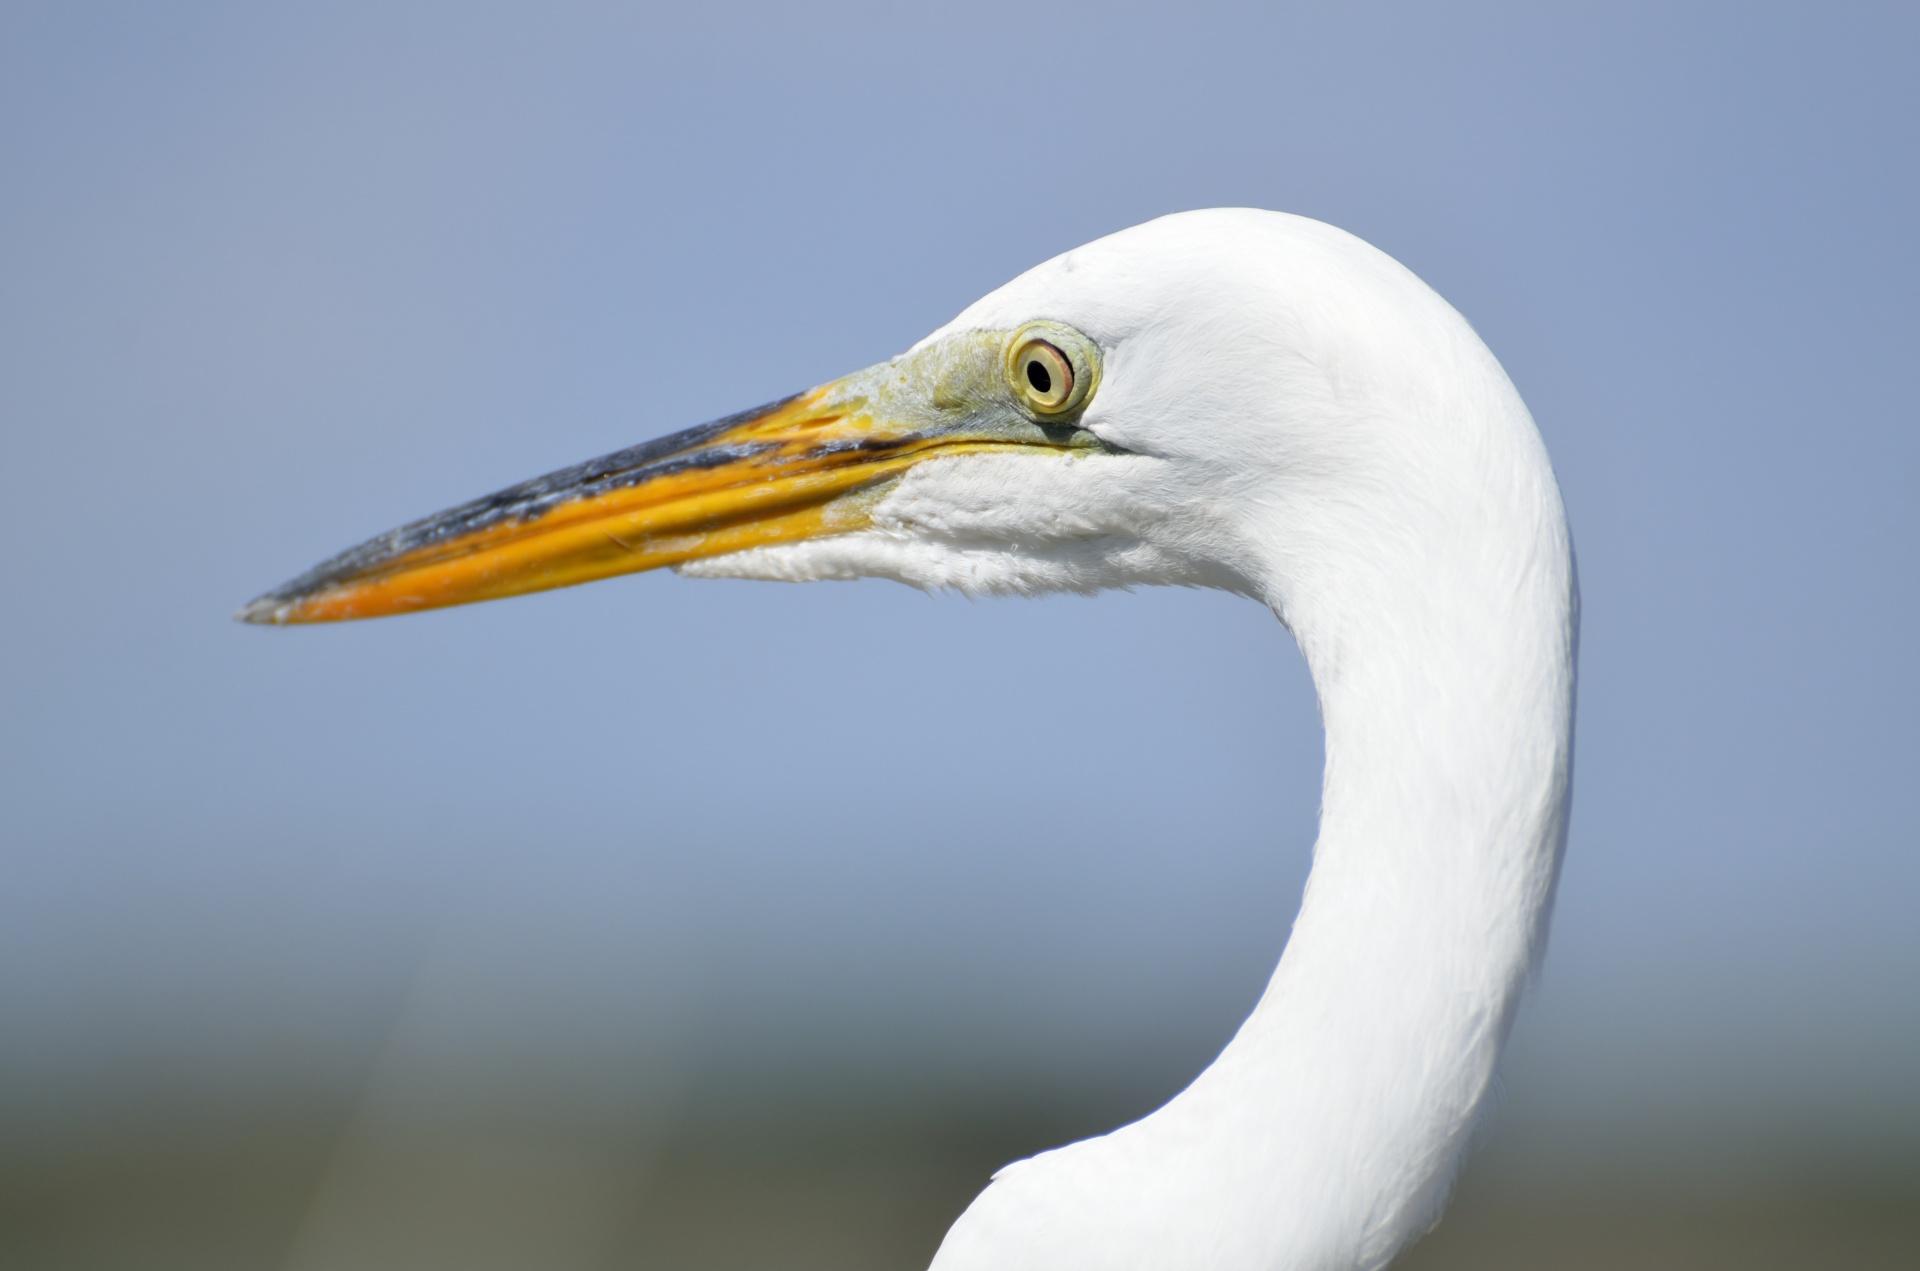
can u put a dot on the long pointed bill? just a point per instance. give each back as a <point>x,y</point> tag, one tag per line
<point>809,466</point>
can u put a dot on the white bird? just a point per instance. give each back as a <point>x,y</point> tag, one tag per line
<point>1236,399</point>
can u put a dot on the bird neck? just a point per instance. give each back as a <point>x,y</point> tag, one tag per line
<point>1444,671</point>
<point>1420,558</point>
<point>1326,1134</point>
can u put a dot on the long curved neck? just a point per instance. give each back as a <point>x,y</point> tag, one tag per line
<point>1442,820</point>
<point>1428,579</point>
<point>1444,667</point>
<point>1325,1135</point>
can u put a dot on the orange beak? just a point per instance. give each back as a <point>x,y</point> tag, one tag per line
<point>809,466</point>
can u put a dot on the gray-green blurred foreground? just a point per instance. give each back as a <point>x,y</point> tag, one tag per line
<point>792,1181</point>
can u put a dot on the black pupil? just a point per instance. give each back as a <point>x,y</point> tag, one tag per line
<point>1038,376</point>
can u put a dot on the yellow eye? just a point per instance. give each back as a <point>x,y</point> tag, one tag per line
<point>1052,370</point>
<point>1045,376</point>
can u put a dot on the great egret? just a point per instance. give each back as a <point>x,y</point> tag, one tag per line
<point>1228,398</point>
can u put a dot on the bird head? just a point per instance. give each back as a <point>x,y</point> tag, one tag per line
<point>1132,412</point>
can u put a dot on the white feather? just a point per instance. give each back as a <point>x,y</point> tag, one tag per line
<point>1307,423</point>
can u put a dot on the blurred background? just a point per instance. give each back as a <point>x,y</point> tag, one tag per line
<point>677,924</point>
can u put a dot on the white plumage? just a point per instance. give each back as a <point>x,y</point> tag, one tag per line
<point>1310,425</point>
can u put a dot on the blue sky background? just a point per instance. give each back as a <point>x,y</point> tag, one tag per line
<point>276,279</point>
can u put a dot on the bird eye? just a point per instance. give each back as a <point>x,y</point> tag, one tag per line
<point>1049,380</point>
<point>1046,373</point>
